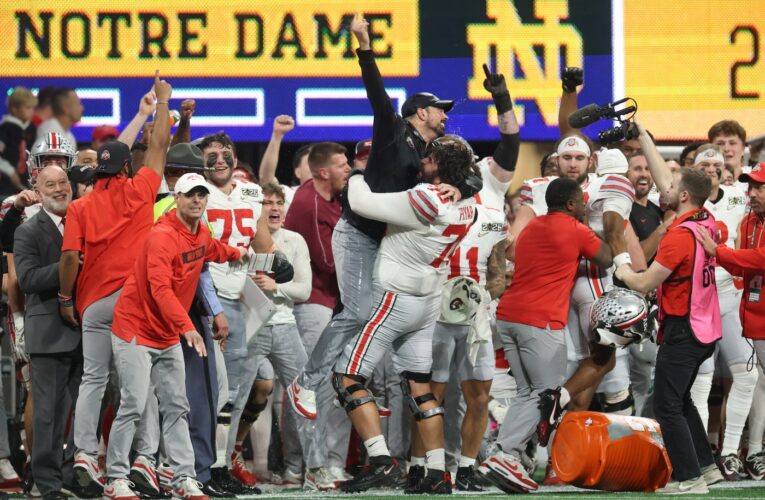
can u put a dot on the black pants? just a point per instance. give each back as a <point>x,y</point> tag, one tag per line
<point>677,364</point>
<point>55,384</point>
<point>202,393</point>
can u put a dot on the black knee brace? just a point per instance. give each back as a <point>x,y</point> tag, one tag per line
<point>252,410</point>
<point>415,402</point>
<point>344,394</point>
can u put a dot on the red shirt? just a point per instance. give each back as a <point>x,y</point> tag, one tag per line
<point>314,218</point>
<point>110,226</point>
<point>547,255</point>
<point>749,263</point>
<point>675,252</point>
<point>157,295</point>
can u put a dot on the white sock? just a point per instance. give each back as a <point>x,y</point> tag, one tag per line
<point>700,396</point>
<point>757,416</point>
<point>737,408</point>
<point>436,459</point>
<point>466,461</point>
<point>417,461</point>
<point>376,446</point>
<point>565,397</point>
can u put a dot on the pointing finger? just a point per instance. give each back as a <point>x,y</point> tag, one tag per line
<point>486,71</point>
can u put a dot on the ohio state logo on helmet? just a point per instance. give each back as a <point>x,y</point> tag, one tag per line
<point>619,318</point>
<point>51,145</point>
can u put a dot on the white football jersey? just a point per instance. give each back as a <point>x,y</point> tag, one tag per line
<point>234,220</point>
<point>608,193</point>
<point>533,194</point>
<point>472,255</point>
<point>413,260</point>
<point>728,213</point>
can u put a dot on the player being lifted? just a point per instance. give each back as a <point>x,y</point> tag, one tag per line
<point>424,228</point>
<point>481,258</point>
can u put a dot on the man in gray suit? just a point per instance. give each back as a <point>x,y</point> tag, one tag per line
<point>53,346</point>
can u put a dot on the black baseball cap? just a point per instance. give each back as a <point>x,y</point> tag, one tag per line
<point>363,148</point>
<point>185,156</point>
<point>111,157</point>
<point>423,100</point>
<point>82,174</point>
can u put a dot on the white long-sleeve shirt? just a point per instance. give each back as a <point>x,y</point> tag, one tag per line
<point>423,231</point>
<point>294,247</point>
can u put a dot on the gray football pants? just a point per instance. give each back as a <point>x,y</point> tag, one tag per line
<point>327,444</point>
<point>97,368</point>
<point>281,345</point>
<point>538,360</point>
<point>139,368</point>
<point>355,254</point>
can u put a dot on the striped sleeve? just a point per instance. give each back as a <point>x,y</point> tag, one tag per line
<point>618,195</point>
<point>618,186</point>
<point>425,202</point>
<point>533,194</point>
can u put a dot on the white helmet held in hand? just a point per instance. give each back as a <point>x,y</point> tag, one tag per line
<point>619,318</point>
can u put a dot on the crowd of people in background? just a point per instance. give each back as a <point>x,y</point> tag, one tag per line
<point>395,309</point>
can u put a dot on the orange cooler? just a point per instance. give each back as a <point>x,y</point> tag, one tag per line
<point>610,452</point>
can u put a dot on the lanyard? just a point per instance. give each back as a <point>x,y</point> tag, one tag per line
<point>757,223</point>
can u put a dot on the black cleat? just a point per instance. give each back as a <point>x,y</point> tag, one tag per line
<point>436,482</point>
<point>551,412</point>
<point>225,482</point>
<point>732,468</point>
<point>415,475</point>
<point>755,466</point>
<point>468,479</point>
<point>212,490</point>
<point>379,474</point>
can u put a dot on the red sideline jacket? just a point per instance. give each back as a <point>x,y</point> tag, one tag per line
<point>749,263</point>
<point>157,296</point>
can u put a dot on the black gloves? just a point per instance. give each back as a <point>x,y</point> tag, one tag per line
<point>571,78</point>
<point>470,186</point>
<point>495,83</point>
<point>281,268</point>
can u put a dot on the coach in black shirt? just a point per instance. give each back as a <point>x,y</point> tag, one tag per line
<point>646,217</point>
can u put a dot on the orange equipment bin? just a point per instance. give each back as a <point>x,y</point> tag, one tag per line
<point>610,452</point>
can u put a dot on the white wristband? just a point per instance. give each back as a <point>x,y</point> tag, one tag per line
<point>622,258</point>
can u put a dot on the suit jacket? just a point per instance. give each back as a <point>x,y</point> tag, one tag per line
<point>36,252</point>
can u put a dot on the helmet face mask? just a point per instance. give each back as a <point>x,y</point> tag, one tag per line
<point>52,145</point>
<point>620,318</point>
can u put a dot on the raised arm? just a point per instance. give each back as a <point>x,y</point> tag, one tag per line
<point>283,124</point>
<point>502,164</point>
<point>183,131</point>
<point>662,176</point>
<point>160,134</point>
<point>145,108</point>
<point>384,113</point>
<point>571,78</point>
<point>391,208</point>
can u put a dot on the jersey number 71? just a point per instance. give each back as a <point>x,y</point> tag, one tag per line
<point>457,230</point>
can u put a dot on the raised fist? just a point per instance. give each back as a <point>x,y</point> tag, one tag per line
<point>283,124</point>
<point>571,78</point>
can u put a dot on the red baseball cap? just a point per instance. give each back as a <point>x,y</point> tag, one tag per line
<point>104,133</point>
<point>756,175</point>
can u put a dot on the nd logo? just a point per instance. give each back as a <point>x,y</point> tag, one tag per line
<point>536,48</point>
